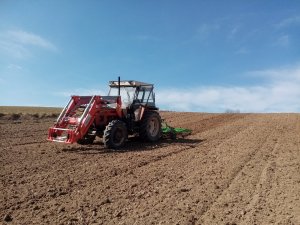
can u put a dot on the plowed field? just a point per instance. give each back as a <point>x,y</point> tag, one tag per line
<point>233,169</point>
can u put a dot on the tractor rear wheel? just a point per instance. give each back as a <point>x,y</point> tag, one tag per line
<point>115,134</point>
<point>150,128</point>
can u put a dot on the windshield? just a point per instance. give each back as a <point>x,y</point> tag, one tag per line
<point>145,95</point>
<point>127,94</point>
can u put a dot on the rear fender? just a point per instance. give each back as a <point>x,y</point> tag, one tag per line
<point>139,113</point>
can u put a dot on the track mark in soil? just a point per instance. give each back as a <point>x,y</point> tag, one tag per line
<point>211,123</point>
<point>32,134</point>
<point>169,154</point>
<point>31,143</point>
<point>239,173</point>
<point>162,152</point>
<point>262,190</point>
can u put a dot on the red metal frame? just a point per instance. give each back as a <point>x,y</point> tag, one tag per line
<point>70,127</point>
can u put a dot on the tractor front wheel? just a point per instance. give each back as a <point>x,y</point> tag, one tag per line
<point>150,128</point>
<point>115,134</point>
<point>89,137</point>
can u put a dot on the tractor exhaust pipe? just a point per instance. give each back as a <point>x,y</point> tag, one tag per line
<point>119,86</point>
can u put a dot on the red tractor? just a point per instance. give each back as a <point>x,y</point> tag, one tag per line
<point>129,109</point>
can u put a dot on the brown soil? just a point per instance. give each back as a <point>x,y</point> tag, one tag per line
<point>233,169</point>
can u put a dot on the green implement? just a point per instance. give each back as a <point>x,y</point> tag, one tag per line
<point>173,133</point>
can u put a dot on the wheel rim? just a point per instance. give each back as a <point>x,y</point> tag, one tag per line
<point>119,136</point>
<point>153,127</point>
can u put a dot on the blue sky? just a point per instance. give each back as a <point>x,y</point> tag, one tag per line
<point>207,56</point>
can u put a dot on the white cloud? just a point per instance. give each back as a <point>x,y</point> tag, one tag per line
<point>14,67</point>
<point>280,94</point>
<point>294,20</point>
<point>15,50</point>
<point>26,38</point>
<point>287,73</point>
<point>81,92</point>
<point>62,97</point>
<point>242,51</point>
<point>234,31</point>
<point>146,38</point>
<point>205,30</point>
<point>19,43</point>
<point>283,41</point>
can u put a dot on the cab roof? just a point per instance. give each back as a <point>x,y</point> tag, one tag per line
<point>129,83</point>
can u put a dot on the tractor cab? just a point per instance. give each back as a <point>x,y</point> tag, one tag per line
<point>134,94</point>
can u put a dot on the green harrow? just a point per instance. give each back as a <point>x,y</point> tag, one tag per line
<point>173,133</point>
